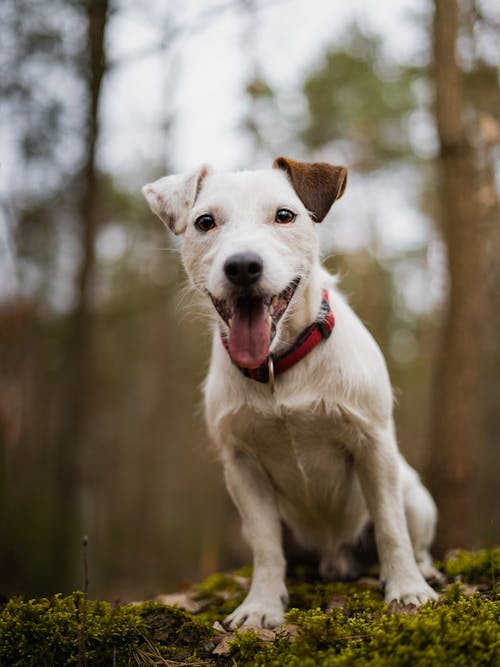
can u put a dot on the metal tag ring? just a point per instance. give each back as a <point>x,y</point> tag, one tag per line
<point>270,368</point>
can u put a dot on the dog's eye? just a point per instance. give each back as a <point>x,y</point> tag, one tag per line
<point>205,222</point>
<point>283,216</point>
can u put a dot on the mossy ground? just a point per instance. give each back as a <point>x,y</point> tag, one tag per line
<point>328,624</point>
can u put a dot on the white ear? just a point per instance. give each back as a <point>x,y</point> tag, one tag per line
<point>171,197</point>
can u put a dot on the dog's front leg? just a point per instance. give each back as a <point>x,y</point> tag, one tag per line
<point>379,473</point>
<point>254,496</point>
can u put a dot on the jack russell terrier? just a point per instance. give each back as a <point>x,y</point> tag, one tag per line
<point>297,397</point>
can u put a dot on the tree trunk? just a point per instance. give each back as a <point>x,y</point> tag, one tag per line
<point>77,381</point>
<point>456,402</point>
<point>488,522</point>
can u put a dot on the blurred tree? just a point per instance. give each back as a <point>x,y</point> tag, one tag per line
<point>43,53</point>
<point>458,407</point>
<point>356,97</point>
<point>55,61</point>
<point>480,57</point>
<point>77,365</point>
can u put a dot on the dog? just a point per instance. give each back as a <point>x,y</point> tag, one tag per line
<point>297,398</point>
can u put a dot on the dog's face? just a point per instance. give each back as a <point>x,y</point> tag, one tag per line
<point>249,241</point>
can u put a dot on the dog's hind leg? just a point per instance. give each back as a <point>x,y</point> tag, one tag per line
<point>421,516</point>
<point>254,497</point>
<point>378,465</point>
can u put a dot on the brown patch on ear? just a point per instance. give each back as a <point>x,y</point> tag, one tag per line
<point>318,184</point>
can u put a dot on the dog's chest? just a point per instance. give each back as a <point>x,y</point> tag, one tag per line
<point>303,453</point>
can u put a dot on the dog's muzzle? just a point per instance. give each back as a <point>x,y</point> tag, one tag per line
<point>251,317</point>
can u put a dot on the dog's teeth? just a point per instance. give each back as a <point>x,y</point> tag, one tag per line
<point>271,309</point>
<point>274,301</point>
<point>269,321</point>
<point>230,321</point>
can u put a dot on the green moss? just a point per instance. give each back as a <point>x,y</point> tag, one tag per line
<point>61,630</point>
<point>321,639</point>
<point>346,625</point>
<point>174,633</point>
<point>325,595</point>
<point>220,594</point>
<point>463,633</point>
<point>350,625</point>
<point>50,631</point>
<point>474,566</point>
<point>217,585</point>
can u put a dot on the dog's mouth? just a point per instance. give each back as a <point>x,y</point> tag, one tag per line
<point>252,322</point>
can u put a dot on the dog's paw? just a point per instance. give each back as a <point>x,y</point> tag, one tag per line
<point>257,614</point>
<point>427,569</point>
<point>410,592</point>
<point>430,573</point>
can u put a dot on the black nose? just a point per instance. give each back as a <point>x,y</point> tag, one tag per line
<point>243,269</point>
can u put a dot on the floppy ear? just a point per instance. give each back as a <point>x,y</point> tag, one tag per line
<point>317,184</point>
<point>171,197</point>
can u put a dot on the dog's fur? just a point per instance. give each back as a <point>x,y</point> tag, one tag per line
<point>319,452</point>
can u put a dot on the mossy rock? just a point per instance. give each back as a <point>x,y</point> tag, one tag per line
<point>329,624</point>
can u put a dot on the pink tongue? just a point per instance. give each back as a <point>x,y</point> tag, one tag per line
<point>249,337</point>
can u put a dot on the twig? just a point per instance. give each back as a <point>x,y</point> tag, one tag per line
<point>85,568</point>
<point>82,626</point>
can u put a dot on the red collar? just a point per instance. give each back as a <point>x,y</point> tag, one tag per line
<point>319,330</point>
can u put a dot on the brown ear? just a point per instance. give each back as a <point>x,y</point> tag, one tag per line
<point>317,184</point>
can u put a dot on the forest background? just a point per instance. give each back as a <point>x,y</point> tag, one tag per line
<point>101,357</point>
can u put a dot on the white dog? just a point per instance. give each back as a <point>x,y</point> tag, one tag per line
<point>298,399</point>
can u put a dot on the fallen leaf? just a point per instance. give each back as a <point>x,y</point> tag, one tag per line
<point>470,589</point>
<point>181,600</point>
<point>289,630</point>
<point>395,608</point>
<point>223,647</point>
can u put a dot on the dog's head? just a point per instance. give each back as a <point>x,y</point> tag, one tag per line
<point>248,241</point>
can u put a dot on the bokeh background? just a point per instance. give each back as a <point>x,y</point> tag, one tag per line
<point>101,357</point>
